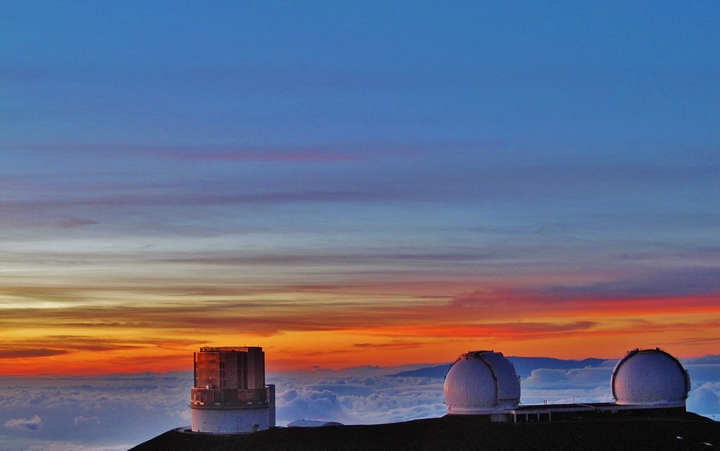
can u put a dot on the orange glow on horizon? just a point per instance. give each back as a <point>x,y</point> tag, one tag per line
<point>302,335</point>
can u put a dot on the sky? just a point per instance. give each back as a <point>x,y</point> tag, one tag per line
<point>358,187</point>
<point>356,183</point>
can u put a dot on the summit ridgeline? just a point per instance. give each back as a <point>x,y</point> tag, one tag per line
<point>685,431</point>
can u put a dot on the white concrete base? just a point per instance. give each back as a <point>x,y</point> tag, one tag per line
<point>230,421</point>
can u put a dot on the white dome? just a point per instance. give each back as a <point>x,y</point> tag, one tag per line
<point>481,382</point>
<point>650,377</point>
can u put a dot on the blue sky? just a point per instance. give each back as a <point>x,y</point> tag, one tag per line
<point>353,173</point>
<point>612,79</point>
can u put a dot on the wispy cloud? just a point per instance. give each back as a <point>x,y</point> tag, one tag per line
<point>23,424</point>
<point>77,222</point>
<point>663,283</point>
<point>29,353</point>
<point>299,155</point>
<point>397,344</point>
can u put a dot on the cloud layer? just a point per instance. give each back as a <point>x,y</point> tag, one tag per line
<point>119,411</point>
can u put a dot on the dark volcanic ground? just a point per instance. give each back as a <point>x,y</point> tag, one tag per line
<point>684,432</point>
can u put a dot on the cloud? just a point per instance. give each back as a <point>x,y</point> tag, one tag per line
<point>75,446</point>
<point>704,371</point>
<point>666,283</point>
<point>355,399</point>
<point>70,343</point>
<point>22,424</point>
<point>704,400</point>
<point>397,344</point>
<point>101,412</point>
<point>561,379</point>
<point>298,155</point>
<point>82,420</point>
<point>699,281</point>
<point>77,222</point>
<point>308,404</point>
<point>29,353</point>
<point>704,360</point>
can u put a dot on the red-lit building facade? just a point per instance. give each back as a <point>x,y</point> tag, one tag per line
<point>229,393</point>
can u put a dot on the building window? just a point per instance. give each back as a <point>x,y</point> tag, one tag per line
<point>222,374</point>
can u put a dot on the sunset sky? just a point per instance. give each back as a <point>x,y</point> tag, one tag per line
<point>356,183</point>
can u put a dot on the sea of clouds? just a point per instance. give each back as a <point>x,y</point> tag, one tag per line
<point>113,413</point>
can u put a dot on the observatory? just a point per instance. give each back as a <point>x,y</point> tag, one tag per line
<point>229,393</point>
<point>482,383</point>
<point>650,377</point>
<point>644,382</point>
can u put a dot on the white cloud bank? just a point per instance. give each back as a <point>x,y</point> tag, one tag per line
<point>103,413</point>
<point>369,400</point>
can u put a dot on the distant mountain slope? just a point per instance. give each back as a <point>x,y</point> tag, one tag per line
<point>438,371</point>
<point>684,432</point>
<point>523,366</point>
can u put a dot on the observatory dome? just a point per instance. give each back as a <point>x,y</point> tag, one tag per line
<point>481,382</point>
<point>650,377</point>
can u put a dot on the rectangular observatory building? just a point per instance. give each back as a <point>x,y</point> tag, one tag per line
<point>229,393</point>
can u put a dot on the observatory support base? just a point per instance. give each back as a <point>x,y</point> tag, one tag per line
<point>230,421</point>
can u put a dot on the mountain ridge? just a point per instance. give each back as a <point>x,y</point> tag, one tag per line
<point>686,431</point>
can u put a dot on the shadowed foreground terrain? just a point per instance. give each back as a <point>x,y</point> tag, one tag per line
<point>685,432</point>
